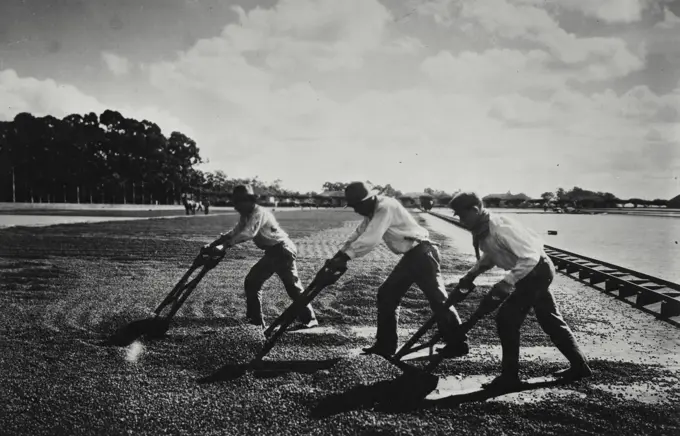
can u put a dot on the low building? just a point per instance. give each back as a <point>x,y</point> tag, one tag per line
<point>330,199</point>
<point>505,200</point>
<point>416,199</point>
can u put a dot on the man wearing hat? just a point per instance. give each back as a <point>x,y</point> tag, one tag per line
<point>386,219</point>
<point>509,245</point>
<point>260,225</point>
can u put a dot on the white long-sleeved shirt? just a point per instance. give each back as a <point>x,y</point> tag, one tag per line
<point>260,226</point>
<point>510,246</point>
<point>390,222</point>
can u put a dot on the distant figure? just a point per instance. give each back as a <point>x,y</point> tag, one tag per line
<point>185,203</point>
<point>206,206</point>
<point>189,205</point>
<point>199,205</point>
<point>545,208</point>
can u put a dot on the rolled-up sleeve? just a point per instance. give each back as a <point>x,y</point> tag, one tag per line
<point>525,247</point>
<point>370,236</point>
<point>355,234</point>
<point>484,264</point>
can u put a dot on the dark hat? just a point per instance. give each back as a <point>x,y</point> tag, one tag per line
<point>465,200</point>
<point>243,192</point>
<point>356,192</point>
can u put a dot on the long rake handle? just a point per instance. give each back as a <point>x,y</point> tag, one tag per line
<point>429,344</point>
<point>286,318</point>
<point>291,309</point>
<point>406,367</point>
<point>464,328</point>
<point>325,277</point>
<point>179,287</point>
<point>456,296</point>
<point>408,346</point>
<point>182,289</point>
<point>187,290</point>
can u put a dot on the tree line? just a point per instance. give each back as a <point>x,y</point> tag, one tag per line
<point>579,197</point>
<point>89,158</point>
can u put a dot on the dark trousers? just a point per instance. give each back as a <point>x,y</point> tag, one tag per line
<point>421,266</point>
<point>279,259</point>
<point>533,291</point>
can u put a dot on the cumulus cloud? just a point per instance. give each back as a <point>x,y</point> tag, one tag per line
<point>518,110</point>
<point>598,57</point>
<point>502,70</point>
<point>610,11</point>
<point>631,135</point>
<point>439,10</point>
<point>670,20</point>
<point>47,97</point>
<point>404,45</point>
<point>604,111</point>
<point>41,97</point>
<point>118,65</point>
<point>588,58</point>
<point>320,34</point>
<point>492,71</point>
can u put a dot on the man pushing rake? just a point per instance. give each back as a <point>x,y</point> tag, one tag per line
<point>259,225</point>
<point>385,219</point>
<point>510,246</point>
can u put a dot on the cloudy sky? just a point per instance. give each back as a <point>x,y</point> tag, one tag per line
<point>490,95</point>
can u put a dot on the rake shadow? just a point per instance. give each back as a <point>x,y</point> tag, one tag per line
<point>408,393</point>
<point>267,369</point>
<point>401,394</point>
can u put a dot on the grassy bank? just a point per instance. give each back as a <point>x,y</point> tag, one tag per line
<point>66,288</point>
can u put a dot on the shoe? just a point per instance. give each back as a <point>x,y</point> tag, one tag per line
<point>379,350</point>
<point>255,322</point>
<point>574,372</point>
<point>305,325</point>
<point>454,350</point>
<point>503,383</point>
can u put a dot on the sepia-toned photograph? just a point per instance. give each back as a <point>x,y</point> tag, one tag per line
<point>339,217</point>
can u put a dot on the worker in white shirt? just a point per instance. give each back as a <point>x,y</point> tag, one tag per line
<point>259,225</point>
<point>385,219</point>
<point>509,245</point>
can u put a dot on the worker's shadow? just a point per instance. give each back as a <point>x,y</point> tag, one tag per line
<point>268,368</point>
<point>406,393</point>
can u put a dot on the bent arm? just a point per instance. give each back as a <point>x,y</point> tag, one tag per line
<point>371,236</point>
